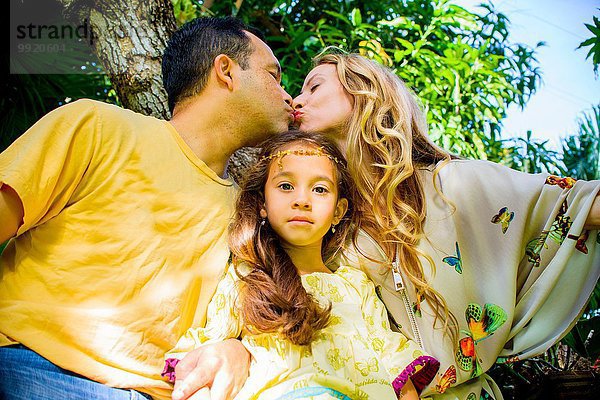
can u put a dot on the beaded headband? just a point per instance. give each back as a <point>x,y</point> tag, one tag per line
<point>302,152</point>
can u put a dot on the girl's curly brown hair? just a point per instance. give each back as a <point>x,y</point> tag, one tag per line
<point>272,296</point>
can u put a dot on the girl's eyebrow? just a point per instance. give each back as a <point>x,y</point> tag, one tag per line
<point>286,174</point>
<point>322,178</point>
<point>282,174</point>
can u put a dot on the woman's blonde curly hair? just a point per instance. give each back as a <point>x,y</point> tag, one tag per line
<point>386,140</point>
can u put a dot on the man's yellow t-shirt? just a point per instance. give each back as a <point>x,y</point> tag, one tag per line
<point>122,245</point>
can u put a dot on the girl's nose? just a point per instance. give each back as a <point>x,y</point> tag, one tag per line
<point>302,203</point>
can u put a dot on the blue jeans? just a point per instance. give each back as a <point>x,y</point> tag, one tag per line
<point>25,375</point>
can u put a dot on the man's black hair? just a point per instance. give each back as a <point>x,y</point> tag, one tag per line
<point>190,53</point>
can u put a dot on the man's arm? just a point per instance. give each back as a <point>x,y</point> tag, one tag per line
<point>221,366</point>
<point>11,213</point>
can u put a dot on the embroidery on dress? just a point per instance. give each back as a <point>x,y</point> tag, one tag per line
<point>365,368</point>
<point>454,261</point>
<point>482,323</point>
<point>504,217</point>
<point>335,359</point>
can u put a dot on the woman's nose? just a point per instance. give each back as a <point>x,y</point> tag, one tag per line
<point>297,103</point>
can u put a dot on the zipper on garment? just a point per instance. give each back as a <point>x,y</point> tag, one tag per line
<point>400,287</point>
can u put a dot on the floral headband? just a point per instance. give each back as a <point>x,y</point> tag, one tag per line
<point>279,154</point>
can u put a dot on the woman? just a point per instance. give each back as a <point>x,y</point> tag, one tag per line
<point>477,262</point>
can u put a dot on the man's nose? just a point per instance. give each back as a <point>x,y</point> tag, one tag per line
<point>287,98</point>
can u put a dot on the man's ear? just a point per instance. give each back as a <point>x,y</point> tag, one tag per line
<point>224,66</point>
<point>340,210</point>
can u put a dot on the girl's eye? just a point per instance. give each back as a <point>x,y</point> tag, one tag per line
<point>314,87</point>
<point>321,190</point>
<point>285,186</point>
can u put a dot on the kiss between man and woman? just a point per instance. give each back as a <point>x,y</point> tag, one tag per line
<point>134,260</point>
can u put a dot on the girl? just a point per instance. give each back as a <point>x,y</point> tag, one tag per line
<point>315,329</point>
<point>475,261</point>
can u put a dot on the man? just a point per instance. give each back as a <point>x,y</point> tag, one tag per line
<point>119,223</point>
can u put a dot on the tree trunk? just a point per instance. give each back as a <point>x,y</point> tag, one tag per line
<point>130,37</point>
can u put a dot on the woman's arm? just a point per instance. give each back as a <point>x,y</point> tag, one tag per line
<point>593,220</point>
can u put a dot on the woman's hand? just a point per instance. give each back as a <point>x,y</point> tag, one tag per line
<point>222,367</point>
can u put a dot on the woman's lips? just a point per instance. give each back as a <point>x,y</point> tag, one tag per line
<point>297,115</point>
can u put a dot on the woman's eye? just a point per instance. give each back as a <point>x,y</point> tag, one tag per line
<point>314,87</point>
<point>285,186</point>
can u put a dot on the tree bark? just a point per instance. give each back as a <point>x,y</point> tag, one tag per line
<point>129,39</point>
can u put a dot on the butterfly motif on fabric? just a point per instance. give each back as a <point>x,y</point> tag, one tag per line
<point>366,367</point>
<point>416,306</point>
<point>504,217</point>
<point>482,323</point>
<point>484,396</point>
<point>557,232</point>
<point>561,225</point>
<point>454,261</point>
<point>563,183</point>
<point>447,380</point>
<point>534,248</point>
<point>507,360</point>
<point>335,359</point>
<point>580,241</point>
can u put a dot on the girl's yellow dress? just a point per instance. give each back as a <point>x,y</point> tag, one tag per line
<point>356,356</point>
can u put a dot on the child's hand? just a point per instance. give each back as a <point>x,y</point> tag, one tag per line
<point>409,392</point>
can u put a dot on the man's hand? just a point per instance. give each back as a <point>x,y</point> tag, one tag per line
<point>222,367</point>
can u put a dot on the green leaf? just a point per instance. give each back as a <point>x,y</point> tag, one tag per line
<point>338,16</point>
<point>355,17</point>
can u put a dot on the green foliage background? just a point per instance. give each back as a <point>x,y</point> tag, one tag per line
<point>459,63</point>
